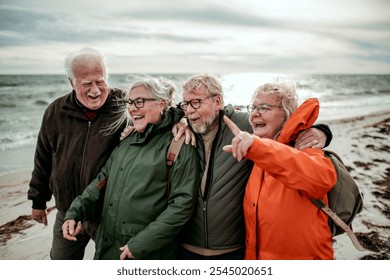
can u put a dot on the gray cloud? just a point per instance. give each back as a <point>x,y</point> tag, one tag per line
<point>206,41</point>
<point>29,25</point>
<point>22,27</point>
<point>209,14</point>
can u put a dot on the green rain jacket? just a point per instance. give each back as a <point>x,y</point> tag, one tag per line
<point>137,209</point>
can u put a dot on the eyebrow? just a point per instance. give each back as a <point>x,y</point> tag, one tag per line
<point>89,81</point>
<point>262,104</point>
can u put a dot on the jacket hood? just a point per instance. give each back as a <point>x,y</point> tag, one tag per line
<point>302,119</point>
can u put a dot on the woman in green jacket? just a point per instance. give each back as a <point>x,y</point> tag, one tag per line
<point>141,217</point>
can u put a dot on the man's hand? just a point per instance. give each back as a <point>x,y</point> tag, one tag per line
<point>182,128</point>
<point>40,216</point>
<point>68,229</point>
<point>311,138</point>
<point>125,253</point>
<point>126,132</point>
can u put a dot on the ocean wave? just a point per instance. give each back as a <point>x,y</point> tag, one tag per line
<point>8,84</point>
<point>12,141</point>
<point>7,105</point>
<point>42,102</point>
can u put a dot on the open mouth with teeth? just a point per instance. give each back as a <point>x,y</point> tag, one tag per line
<point>94,97</point>
<point>137,118</point>
<point>258,124</point>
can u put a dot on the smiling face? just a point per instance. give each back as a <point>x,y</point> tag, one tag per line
<point>205,118</point>
<point>149,113</point>
<point>90,83</point>
<point>269,123</point>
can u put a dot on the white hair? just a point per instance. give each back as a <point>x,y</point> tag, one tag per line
<point>82,55</point>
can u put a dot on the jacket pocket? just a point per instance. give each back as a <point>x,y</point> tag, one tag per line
<point>129,230</point>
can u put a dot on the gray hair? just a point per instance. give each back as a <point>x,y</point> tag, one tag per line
<point>159,88</point>
<point>285,92</point>
<point>210,81</point>
<point>86,54</point>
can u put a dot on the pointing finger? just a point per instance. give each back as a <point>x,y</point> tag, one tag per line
<point>233,127</point>
<point>228,148</point>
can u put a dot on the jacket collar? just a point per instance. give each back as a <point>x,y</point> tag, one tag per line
<point>73,107</point>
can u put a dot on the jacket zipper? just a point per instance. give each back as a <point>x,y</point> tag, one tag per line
<point>256,214</point>
<point>209,179</point>
<point>84,150</point>
<point>205,223</point>
<point>205,197</point>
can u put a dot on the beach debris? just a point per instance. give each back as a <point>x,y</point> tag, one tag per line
<point>17,226</point>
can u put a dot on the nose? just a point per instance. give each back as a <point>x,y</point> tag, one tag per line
<point>131,107</point>
<point>94,88</point>
<point>254,114</point>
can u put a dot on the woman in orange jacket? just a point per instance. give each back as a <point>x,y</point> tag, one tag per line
<point>281,222</point>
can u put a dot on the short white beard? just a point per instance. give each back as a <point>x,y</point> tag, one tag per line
<point>89,94</point>
<point>204,126</point>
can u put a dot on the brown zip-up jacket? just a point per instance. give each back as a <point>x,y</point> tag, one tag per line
<point>70,150</point>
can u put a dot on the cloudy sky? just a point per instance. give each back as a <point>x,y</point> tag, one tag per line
<point>179,36</point>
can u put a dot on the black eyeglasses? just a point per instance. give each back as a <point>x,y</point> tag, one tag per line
<point>195,103</point>
<point>261,108</point>
<point>140,102</point>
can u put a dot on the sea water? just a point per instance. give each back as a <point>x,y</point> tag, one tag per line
<point>24,98</point>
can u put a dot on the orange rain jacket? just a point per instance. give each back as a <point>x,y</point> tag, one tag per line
<point>281,223</point>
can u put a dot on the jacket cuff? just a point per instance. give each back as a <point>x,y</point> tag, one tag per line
<point>325,129</point>
<point>39,205</point>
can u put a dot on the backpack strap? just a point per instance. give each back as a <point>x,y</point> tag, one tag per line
<point>338,221</point>
<point>173,152</point>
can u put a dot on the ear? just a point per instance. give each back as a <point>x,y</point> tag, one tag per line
<point>218,101</point>
<point>163,105</point>
<point>72,84</point>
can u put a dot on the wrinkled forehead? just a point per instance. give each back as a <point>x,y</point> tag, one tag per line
<point>86,66</point>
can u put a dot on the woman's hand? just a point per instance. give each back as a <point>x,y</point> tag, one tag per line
<point>240,143</point>
<point>69,231</point>
<point>126,254</point>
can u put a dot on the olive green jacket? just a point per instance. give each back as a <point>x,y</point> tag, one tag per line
<point>137,210</point>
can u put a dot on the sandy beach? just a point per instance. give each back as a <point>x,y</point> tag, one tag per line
<point>363,143</point>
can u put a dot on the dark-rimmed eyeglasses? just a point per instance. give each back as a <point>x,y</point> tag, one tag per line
<point>261,108</point>
<point>195,103</point>
<point>140,102</point>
